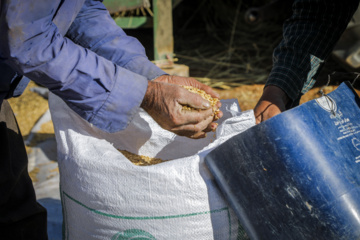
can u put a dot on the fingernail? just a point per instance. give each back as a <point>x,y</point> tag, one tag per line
<point>206,105</point>
<point>214,126</point>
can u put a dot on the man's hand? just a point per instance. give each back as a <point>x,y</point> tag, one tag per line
<point>164,102</point>
<point>271,103</point>
<point>188,81</point>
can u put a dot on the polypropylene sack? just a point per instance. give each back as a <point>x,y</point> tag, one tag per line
<point>105,196</point>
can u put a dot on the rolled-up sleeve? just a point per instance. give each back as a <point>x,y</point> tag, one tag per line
<point>102,92</point>
<point>94,29</point>
<point>309,37</point>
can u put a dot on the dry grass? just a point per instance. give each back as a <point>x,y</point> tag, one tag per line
<point>223,51</point>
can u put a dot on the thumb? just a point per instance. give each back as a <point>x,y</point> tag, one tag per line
<point>194,100</point>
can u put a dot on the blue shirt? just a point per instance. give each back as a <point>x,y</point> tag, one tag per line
<point>309,36</point>
<point>74,48</point>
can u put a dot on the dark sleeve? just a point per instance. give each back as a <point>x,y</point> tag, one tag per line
<point>309,36</point>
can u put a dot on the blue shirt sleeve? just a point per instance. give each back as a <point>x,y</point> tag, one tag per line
<point>105,93</point>
<point>94,29</point>
<point>309,36</point>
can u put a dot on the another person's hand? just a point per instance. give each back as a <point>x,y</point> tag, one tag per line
<point>271,103</point>
<point>164,102</point>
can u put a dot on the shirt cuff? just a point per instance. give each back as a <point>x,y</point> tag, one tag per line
<point>144,67</point>
<point>122,103</point>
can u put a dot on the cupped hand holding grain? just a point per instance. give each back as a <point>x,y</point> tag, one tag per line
<point>197,87</point>
<point>192,82</point>
<point>164,102</point>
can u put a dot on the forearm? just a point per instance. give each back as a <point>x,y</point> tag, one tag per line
<point>309,37</point>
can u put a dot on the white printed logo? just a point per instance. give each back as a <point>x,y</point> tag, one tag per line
<point>327,103</point>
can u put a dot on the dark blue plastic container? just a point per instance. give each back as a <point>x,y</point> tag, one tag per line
<point>297,175</point>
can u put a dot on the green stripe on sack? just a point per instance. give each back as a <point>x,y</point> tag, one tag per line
<point>146,218</point>
<point>149,218</point>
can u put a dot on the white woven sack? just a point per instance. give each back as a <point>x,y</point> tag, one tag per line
<point>105,196</point>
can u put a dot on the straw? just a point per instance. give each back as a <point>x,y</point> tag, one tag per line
<point>222,50</point>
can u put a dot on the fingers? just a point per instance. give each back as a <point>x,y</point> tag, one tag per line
<point>212,127</point>
<point>219,114</point>
<point>188,81</point>
<point>258,119</point>
<point>200,134</point>
<point>218,104</point>
<point>165,104</point>
<point>193,100</point>
<point>197,130</point>
<point>271,103</point>
<point>203,126</point>
<point>266,111</point>
<point>196,116</point>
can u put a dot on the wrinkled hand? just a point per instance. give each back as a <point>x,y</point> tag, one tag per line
<point>164,102</point>
<point>271,103</point>
<point>188,81</point>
